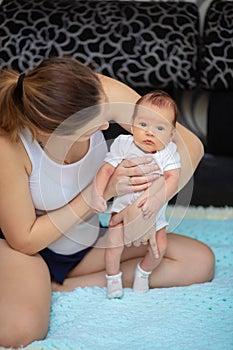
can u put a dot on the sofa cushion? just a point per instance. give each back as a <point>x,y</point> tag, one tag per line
<point>144,44</point>
<point>217,54</point>
<point>220,123</point>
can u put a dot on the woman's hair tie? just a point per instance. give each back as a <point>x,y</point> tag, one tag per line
<point>20,85</point>
<point>18,93</point>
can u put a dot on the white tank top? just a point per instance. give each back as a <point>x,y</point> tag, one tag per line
<point>53,185</point>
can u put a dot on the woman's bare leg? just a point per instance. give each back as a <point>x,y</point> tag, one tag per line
<point>186,261</point>
<point>25,292</point>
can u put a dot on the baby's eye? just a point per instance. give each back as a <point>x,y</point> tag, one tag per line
<point>143,124</point>
<point>160,128</point>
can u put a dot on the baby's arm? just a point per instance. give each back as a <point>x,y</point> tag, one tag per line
<point>100,182</point>
<point>150,203</point>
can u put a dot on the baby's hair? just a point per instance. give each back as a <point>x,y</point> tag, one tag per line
<point>47,95</point>
<point>160,99</point>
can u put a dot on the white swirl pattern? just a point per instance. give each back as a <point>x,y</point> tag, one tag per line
<point>144,44</point>
<point>217,54</point>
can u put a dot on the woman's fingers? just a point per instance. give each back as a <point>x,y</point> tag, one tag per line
<point>138,180</point>
<point>132,167</point>
<point>153,245</point>
<point>132,175</point>
<point>130,162</point>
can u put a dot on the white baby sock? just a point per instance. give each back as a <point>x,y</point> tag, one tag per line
<point>141,279</point>
<point>114,286</point>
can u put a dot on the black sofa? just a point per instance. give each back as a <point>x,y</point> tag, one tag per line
<point>146,45</point>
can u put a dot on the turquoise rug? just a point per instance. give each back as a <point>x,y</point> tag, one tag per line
<point>196,317</point>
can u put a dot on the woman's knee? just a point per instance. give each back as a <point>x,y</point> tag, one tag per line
<point>205,264</point>
<point>194,258</point>
<point>25,327</point>
<point>24,297</point>
<point>209,263</point>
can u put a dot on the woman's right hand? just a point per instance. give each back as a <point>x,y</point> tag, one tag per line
<point>132,175</point>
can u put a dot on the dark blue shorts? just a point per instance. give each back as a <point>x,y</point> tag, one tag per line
<point>60,265</point>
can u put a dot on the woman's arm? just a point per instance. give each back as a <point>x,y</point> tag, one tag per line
<point>23,230</point>
<point>191,151</point>
<point>121,100</point>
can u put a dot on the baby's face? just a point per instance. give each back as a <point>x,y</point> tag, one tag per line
<point>152,128</point>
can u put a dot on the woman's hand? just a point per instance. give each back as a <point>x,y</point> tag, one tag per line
<point>137,228</point>
<point>134,232</point>
<point>132,175</point>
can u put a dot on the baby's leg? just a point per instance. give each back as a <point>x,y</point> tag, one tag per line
<point>149,263</point>
<point>113,251</point>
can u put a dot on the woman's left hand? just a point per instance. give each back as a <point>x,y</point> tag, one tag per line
<point>132,175</point>
<point>136,226</point>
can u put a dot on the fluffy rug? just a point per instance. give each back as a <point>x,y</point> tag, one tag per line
<point>194,317</point>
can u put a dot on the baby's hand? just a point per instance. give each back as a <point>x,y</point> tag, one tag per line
<point>149,206</point>
<point>98,203</point>
<point>96,200</point>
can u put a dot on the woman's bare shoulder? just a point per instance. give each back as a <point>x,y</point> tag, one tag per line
<point>13,152</point>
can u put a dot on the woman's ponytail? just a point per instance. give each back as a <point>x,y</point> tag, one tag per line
<point>48,95</point>
<point>12,118</point>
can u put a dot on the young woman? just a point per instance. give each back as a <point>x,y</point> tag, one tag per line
<point>47,227</point>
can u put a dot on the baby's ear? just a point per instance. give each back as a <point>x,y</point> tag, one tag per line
<point>173,132</point>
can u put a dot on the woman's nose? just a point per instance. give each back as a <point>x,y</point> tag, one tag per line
<point>104,126</point>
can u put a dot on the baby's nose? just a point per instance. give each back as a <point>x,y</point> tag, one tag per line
<point>150,131</point>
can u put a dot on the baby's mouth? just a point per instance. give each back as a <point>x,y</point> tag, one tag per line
<point>149,142</point>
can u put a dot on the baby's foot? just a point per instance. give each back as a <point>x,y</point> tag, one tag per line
<point>114,286</point>
<point>141,280</point>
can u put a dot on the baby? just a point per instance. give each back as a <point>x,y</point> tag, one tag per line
<point>153,129</point>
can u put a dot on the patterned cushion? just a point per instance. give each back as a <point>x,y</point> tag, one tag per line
<point>144,44</point>
<point>217,55</point>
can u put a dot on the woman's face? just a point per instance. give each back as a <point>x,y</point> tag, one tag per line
<point>75,129</point>
<point>81,125</point>
<point>100,122</point>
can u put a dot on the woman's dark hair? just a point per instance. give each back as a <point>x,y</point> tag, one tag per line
<point>47,95</point>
